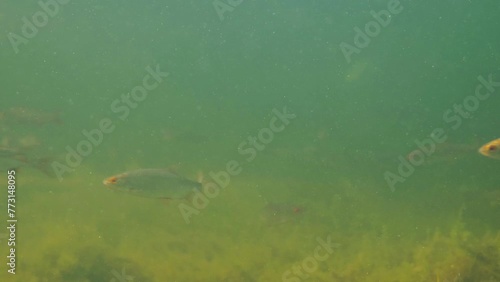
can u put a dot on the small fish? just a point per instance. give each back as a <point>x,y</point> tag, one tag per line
<point>24,115</point>
<point>6,152</point>
<point>183,136</point>
<point>15,145</point>
<point>12,163</point>
<point>19,161</point>
<point>280,213</point>
<point>491,149</point>
<point>443,153</point>
<point>153,183</point>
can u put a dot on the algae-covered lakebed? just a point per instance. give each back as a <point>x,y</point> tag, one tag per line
<point>87,233</point>
<point>304,141</point>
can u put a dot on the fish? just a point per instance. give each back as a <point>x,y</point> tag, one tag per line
<point>183,136</point>
<point>7,152</point>
<point>447,152</point>
<point>491,149</point>
<point>12,162</point>
<point>25,115</point>
<point>20,160</point>
<point>153,183</point>
<point>16,144</point>
<point>280,213</point>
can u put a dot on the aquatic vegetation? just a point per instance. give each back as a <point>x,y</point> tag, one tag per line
<point>443,257</point>
<point>228,242</point>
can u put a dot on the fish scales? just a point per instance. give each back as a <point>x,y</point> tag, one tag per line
<point>153,183</point>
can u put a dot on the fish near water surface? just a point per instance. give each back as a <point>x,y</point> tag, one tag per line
<point>491,149</point>
<point>153,183</point>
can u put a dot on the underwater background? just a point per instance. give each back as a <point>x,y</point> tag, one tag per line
<point>317,196</point>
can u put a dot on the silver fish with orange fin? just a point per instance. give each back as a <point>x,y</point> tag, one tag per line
<point>153,183</point>
<point>491,149</point>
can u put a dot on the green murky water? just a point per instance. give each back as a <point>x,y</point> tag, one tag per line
<point>300,117</point>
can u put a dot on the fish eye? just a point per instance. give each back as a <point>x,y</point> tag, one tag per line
<point>113,180</point>
<point>492,147</point>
